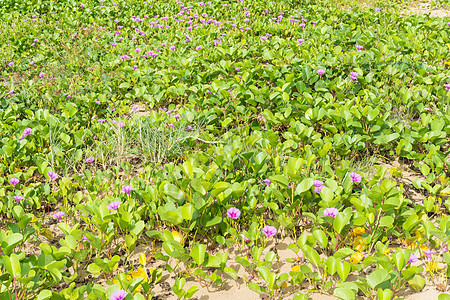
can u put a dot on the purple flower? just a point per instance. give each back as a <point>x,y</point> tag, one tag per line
<point>189,128</point>
<point>120,124</point>
<point>31,62</point>
<point>127,189</point>
<point>137,50</point>
<point>58,215</point>
<point>85,238</point>
<point>264,38</point>
<point>177,117</point>
<point>317,183</point>
<point>268,182</point>
<point>300,41</point>
<point>413,259</point>
<point>321,72</point>
<point>353,76</point>
<point>198,48</point>
<point>233,213</point>
<point>330,212</point>
<point>269,231</point>
<point>42,74</point>
<point>119,295</point>
<point>114,205</point>
<point>447,86</point>
<point>27,131</point>
<point>377,9</point>
<point>14,181</point>
<point>359,47</point>
<point>172,48</point>
<point>18,199</point>
<point>428,253</point>
<point>82,5</point>
<point>90,160</point>
<point>21,138</point>
<point>171,126</point>
<point>355,177</point>
<point>11,64</point>
<point>52,175</point>
<point>317,189</point>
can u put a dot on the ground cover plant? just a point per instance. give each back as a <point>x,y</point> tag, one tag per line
<point>151,149</point>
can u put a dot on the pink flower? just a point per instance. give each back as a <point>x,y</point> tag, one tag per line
<point>113,205</point>
<point>11,64</point>
<point>198,48</point>
<point>233,213</point>
<point>177,117</point>
<point>321,72</point>
<point>58,215</point>
<point>330,212</point>
<point>90,160</point>
<point>267,182</point>
<point>171,126</point>
<point>18,199</point>
<point>127,189</point>
<point>137,50</point>
<point>135,67</point>
<point>269,231</point>
<point>119,295</point>
<point>353,76</point>
<point>317,189</point>
<point>300,41</point>
<point>52,175</point>
<point>172,48</point>
<point>27,131</point>
<point>359,47</point>
<point>355,177</point>
<point>42,74</point>
<point>413,259</point>
<point>14,181</point>
<point>428,253</point>
<point>317,183</point>
<point>447,86</point>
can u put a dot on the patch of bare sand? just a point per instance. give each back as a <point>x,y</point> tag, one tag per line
<point>425,8</point>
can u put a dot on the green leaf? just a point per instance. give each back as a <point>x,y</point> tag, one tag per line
<point>11,242</point>
<point>304,186</point>
<point>138,228</point>
<point>12,265</point>
<point>377,277</point>
<point>187,211</point>
<point>343,269</point>
<point>264,272</point>
<point>321,238</point>
<point>444,296</point>
<point>198,253</point>
<point>344,293</point>
<point>93,268</point>
<point>417,283</point>
<point>341,220</point>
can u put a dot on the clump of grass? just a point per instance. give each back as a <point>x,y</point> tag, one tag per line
<point>143,139</point>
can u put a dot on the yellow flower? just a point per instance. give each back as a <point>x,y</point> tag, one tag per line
<point>359,231</point>
<point>140,273</point>
<point>387,252</point>
<point>358,243</point>
<point>295,268</point>
<point>356,258</point>
<point>423,247</point>
<point>177,236</point>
